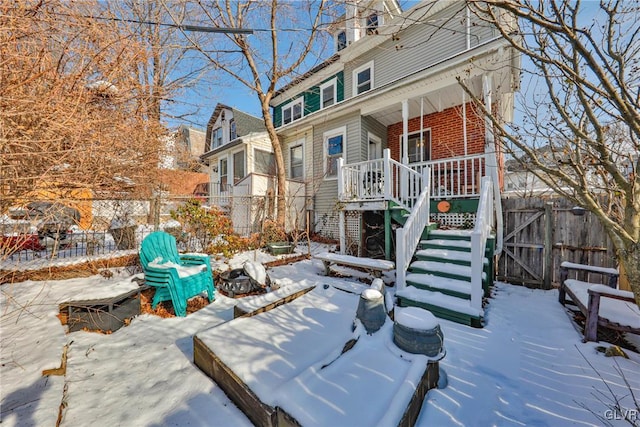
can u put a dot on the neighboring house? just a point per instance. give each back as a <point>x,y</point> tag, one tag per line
<point>369,127</point>
<point>189,146</point>
<point>241,165</point>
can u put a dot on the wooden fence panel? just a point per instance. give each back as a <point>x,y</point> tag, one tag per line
<point>537,240</point>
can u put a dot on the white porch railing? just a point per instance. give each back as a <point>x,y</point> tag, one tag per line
<point>218,197</point>
<point>454,176</point>
<point>387,179</point>
<point>484,224</point>
<point>409,235</point>
<point>379,179</point>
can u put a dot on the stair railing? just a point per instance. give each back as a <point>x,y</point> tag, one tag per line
<point>379,179</point>
<point>479,235</point>
<point>408,237</point>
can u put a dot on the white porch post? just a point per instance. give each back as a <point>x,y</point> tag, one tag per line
<point>341,195</point>
<point>405,131</point>
<point>404,177</point>
<point>491,162</point>
<point>339,172</point>
<point>343,231</point>
<point>386,170</point>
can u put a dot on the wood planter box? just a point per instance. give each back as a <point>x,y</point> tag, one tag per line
<point>280,248</point>
<point>107,314</point>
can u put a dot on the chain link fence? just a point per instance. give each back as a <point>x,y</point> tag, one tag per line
<point>86,228</point>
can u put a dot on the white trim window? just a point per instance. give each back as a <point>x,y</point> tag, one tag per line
<point>264,162</point>
<point>328,93</point>
<point>223,167</point>
<point>296,160</point>
<point>233,134</point>
<point>371,23</point>
<point>419,149</point>
<point>292,111</point>
<point>341,40</point>
<point>374,149</point>
<point>216,138</point>
<point>334,144</point>
<point>238,166</point>
<point>363,78</point>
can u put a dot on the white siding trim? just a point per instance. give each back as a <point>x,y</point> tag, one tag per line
<point>325,153</point>
<point>354,74</point>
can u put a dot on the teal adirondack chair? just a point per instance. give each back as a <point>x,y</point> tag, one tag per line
<point>176,277</point>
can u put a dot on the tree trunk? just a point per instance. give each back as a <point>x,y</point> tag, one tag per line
<point>281,202</point>
<point>631,263</point>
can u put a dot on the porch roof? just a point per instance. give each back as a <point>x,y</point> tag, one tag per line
<point>437,84</point>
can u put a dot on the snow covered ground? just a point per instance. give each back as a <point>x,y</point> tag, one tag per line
<point>528,365</point>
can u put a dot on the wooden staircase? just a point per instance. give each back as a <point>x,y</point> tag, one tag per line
<point>439,280</point>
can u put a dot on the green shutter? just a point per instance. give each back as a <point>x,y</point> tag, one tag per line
<point>277,115</point>
<point>311,100</point>
<point>340,86</point>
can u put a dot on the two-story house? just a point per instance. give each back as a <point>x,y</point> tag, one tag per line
<point>390,144</point>
<point>241,166</point>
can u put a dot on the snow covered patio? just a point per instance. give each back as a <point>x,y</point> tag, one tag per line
<point>527,366</point>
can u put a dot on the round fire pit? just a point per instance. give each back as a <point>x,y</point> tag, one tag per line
<point>236,283</point>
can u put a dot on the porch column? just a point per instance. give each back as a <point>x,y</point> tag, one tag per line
<point>343,231</point>
<point>405,131</point>
<point>388,230</point>
<point>404,178</point>
<point>341,221</point>
<point>491,156</point>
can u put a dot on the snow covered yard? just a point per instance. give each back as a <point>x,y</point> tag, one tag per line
<point>528,365</point>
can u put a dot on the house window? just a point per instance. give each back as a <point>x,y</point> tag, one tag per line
<point>264,162</point>
<point>341,40</point>
<point>328,94</point>
<point>372,23</point>
<point>223,167</point>
<point>334,149</point>
<point>232,130</point>
<point>292,111</point>
<point>419,149</point>
<point>375,147</point>
<point>296,161</point>
<point>363,78</point>
<point>216,138</point>
<point>238,166</point>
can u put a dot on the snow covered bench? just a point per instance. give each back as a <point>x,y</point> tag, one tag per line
<point>602,305</point>
<point>375,266</point>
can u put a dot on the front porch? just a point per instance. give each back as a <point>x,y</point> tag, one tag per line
<point>446,272</point>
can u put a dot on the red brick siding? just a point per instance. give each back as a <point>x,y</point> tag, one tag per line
<point>447,133</point>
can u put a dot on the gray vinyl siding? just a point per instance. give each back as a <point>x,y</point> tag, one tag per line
<point>419,46</point>
<point>326,196</point>
<point>376,128</point>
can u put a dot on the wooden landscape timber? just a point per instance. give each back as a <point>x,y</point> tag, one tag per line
<point>265,415</point>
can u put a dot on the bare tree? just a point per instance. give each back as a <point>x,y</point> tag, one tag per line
<point>286,39</point>
<point>580,130</point>
<point>69,104</point>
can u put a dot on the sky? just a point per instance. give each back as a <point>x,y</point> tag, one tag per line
<point>527,366</point>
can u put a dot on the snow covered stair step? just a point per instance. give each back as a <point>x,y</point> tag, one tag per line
<point>453,271</point>
<point>451,234</point>
<point>438,300</point>
<point>458,288</point>
<point>461,245</point>
<point>446,255</point>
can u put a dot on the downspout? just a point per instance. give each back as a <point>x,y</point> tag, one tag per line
<point>491,162</point>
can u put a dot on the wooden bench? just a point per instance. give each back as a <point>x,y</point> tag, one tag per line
<point>602,305</point>
<point>375,266</point>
